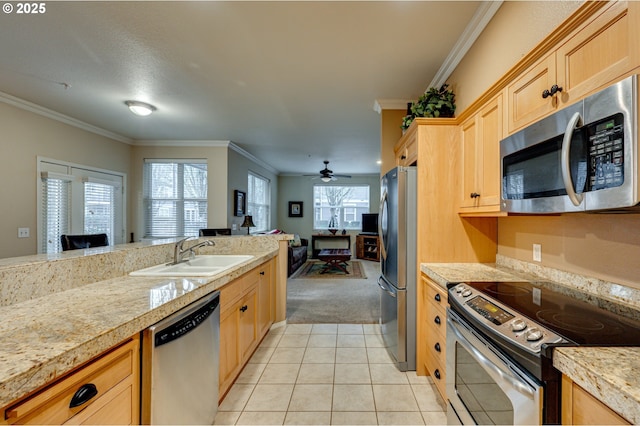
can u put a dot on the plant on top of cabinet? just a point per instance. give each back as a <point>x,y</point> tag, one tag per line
<point>433,103</point>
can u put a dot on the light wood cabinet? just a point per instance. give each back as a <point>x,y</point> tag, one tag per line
<point>598,52</point>
<point>115,376</point>
<point>435,330</point>
<point>247,304</point>
<point>406,150</point>
<point>579,407</point>
<point>480,140</point>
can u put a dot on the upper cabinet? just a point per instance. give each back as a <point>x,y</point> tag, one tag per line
<point>480,139</point>
<point>407,149</point>
<point>601,50</point>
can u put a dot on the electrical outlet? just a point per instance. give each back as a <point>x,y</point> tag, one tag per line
<point>234,226</point>
<point>537,253</point>
<point>23,232</point>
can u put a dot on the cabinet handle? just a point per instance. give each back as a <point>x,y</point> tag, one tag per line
<point>437,374</point>
<point>244,308</point>
<point>437,297</point>
<point>437,319</point>
<point>403,157</point>
<point>474,195</point>
<point>554,89</point>
<point>83,395</point>
<point>437,347</point>
<point>261,272</point>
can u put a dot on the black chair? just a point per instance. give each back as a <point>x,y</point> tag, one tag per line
<point>212,232</point>
<point>75,242</point>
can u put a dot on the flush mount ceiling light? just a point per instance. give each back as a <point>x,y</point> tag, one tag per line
<point>140,108</point>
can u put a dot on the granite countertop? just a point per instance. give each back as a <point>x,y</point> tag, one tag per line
<point>47,336</point>
<point>611,374</point>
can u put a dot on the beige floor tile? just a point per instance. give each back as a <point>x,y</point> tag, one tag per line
<point>287,356</point>
<point>350,341</point>
<point>350,329</point>
<point>434,417</point>
<point>371,329</point>
<point>311,398</point>
<point>400,418</point>
<point>354,418</point>
<point>294,341</point>
<point>270,398</point>
<point>319,355</point>
<point>262,355</point>
<point>308,418</point>
<point>324,329</point>
<point>428,398</point>
<point>394,398</point>
<point>322,341</point>
<point>379,356</point>
<point>352,374</point>
<point>351,356</point>
<point>262,418</point>
<point>298,329</point>
<point>271,340</point>
<point>387,374</point>
<point>280,373</point>
<point>227,417</point>
<point>316,373</point>
<point>237,397</point>
<point>374,341</point>
<point>414,379</point>
<point>251,373</point>
<point>353,398</point>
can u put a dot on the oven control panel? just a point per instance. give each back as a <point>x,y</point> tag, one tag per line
<point>491,314</point>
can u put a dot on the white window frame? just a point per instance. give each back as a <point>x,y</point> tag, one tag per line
<point>77,175</point>
<point>320,209</point>
<point>253,207</point>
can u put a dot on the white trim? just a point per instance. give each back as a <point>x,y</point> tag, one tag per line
<point>253,158</point>
<point>54,175</point>
<point>90,179</point>
<point>478,22</point>
<point>45,112</point>
<point>181,143</point>
<point>380,104</point>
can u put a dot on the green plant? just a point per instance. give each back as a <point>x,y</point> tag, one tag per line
<point>433,103</point>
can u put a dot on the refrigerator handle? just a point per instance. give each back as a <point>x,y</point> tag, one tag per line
<point>384,287</point>
<point>383,243</point>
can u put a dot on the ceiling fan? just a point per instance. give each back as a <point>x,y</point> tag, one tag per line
<point>327,175</point>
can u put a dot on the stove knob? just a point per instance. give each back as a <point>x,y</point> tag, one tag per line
<point>460,289</point>
<point>534,334</point>
<point>466,292</point>
<point>518,324</point>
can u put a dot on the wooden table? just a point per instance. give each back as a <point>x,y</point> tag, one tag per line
<point>335,258</point>
<point>341,239</point>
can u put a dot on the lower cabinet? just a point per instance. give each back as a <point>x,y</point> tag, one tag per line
<point>104,391</point>
<point>435,333</point>
<point>247,305</point>
<point>579,407</point>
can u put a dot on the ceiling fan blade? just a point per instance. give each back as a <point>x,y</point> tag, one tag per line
<point>343,176</point>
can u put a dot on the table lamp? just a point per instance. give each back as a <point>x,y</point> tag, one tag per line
<point>248,223</point>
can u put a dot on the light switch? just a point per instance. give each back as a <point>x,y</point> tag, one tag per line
<point>23,232</point>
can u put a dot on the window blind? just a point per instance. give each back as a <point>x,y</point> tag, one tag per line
<point>56,196</point>
<point>259,201</point>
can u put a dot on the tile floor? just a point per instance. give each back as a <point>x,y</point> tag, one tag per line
<point>321,374</point>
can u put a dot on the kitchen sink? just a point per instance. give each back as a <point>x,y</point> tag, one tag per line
<point>199,266</point>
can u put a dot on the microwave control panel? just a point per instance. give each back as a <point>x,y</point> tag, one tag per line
<point>606,152</point>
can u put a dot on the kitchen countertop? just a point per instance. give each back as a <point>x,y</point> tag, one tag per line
<point>47,336</point>
<point>611,374</point>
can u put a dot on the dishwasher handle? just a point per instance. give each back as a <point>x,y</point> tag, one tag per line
<point>186,324</point>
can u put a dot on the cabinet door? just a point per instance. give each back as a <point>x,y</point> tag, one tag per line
<point>249,323</point>
<point>579,407</point>
<point>600,53</point>
<point>230,358</point>
<point>524,95</point>
<point>490,131</point>
<point>469,163</point>
<point>265,299</point>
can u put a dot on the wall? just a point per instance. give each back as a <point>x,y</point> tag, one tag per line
<point>298,188</point>
<point>25,136</point>
<point>600,245</point>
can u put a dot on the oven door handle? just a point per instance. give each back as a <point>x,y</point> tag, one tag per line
<point>575,198</point>
<point>506,375</point>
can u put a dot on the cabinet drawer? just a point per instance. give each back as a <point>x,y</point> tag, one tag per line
<point>51,405</point>
<point>436,319</point>
<point>437,295</point>
<point>438,375</point>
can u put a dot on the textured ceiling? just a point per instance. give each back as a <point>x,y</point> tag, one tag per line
<point>293,83</point>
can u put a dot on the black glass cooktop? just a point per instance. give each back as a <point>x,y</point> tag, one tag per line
<point>580,322</point>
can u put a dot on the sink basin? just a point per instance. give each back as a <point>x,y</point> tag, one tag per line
<point>200,266</point>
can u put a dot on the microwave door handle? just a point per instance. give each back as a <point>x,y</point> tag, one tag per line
<point>575,198</point>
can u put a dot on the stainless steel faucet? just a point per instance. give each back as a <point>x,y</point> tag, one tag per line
<point>178,251</point>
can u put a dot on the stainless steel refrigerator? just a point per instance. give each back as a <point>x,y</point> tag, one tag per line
<point>398,263</point>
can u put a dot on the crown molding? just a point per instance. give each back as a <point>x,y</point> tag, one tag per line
<point>380,104</point>
<point>179,143</point>
<point>53,115</point>
<point>478,22</point>
<point>253,158</point>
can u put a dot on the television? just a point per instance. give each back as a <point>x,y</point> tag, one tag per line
<point>370,223</point>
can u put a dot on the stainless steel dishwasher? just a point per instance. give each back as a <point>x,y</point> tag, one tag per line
<point>180,365</point>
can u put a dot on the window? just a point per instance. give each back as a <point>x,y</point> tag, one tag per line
<point>258,201</point>
<point>75,199</point>
<point>339,207</point>
<point>175,197</point>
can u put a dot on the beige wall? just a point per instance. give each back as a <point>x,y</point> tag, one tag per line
<point>605,246</point>
<point>23,138</point>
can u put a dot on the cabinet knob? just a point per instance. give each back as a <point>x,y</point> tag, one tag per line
<point>437,297</point>
<point>83,395</point>
<point>554,89</point>
<point>474,195</point>
<point>403,157</point>
<point>437,347</point>
<point>261,272</point>
<point>437,319</point>
<point>437,374</point>
<point>244,308</point>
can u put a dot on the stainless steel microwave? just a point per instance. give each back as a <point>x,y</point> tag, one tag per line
<point>581,158</point>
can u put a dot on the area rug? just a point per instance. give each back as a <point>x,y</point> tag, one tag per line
<point>314,269</point>
<point>335,299</point>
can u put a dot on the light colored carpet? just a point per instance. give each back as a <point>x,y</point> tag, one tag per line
<point>335,300</point>
<point>315,269</point>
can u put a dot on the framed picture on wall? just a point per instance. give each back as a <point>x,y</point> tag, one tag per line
<point>239,203</point>
<point>295,208</point>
